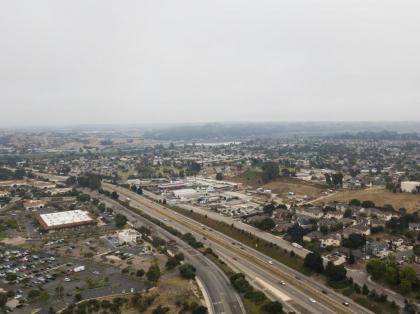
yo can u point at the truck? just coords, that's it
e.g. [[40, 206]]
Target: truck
[[79, 268], [296, 245]]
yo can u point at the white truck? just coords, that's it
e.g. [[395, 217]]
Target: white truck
[[79, 269], [296, 245]]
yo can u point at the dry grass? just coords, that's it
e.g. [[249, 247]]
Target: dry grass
[[282, 186], [171, 288], [380, 196]]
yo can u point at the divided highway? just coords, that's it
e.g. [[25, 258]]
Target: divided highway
[[222, 296], [303, 291]]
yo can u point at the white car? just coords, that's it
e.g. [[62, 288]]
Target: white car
[[312, 300], [67, 279], [270, 262]]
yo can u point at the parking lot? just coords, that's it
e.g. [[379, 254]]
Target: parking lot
[[58, 279]]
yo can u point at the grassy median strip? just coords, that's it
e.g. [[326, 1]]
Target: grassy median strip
[[248, 239], [254, 301]]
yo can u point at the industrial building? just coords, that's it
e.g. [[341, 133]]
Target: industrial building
[[410, 186], [66, 219]]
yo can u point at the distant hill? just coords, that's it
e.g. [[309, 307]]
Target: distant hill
[[238, 131]]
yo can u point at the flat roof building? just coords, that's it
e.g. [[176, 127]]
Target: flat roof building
[[66, 219]]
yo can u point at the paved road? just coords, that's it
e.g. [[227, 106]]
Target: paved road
[[280, 271], [285, 245], [222, 295], [360, 277]]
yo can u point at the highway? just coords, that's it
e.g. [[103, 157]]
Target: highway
[[285, 245], [358, 276], [222, 296], [304, 288]]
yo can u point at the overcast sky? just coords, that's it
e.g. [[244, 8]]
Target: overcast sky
[[136, 61]]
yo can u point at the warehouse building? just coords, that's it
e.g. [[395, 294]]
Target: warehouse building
[[66, 219], [410, 186]]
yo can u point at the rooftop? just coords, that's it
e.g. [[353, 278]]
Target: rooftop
[[65, 219]]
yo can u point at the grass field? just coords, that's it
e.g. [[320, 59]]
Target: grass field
[[380, 196]]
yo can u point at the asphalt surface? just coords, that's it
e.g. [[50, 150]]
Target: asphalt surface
[[223, 297], [359, 277], [333, 299]]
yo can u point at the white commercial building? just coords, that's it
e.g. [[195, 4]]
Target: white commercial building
[[66, 219], [410, 186], [130, 236]]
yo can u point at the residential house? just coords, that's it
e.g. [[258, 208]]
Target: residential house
[[378, 249], [331, 240], [312, 212], [333, 215], [312, 236], [361, 229], [414, 226], [34, 204]]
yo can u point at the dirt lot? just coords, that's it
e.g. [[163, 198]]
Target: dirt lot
[[379, 196], [282, 186]]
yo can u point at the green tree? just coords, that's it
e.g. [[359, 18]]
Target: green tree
[[153, 274], [365, 290], [114, 195], [171, 263], [295, 233], [416, 250], [335, 272], [3, 299], [89, 180], [392, 275], [272, 308], [376, 268], [187, 271], [348, 213], [355, 202], [408, 279], [266, 224], [271, 171], [240, 283], [268, 209], [199, 310], [120, 221], [313, 261], [354, 241], [33, 294], [11, 276], [368, 204]]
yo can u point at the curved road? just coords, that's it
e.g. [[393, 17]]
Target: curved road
[[223, 297]]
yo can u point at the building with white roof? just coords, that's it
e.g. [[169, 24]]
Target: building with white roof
[[66, 219]]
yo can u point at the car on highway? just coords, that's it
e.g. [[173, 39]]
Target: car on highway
[[270, 262], [282, 283], [346, 303], [312, 300], [324, 291]]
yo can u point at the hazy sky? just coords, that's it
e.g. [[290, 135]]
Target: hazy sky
[[134, 61]]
